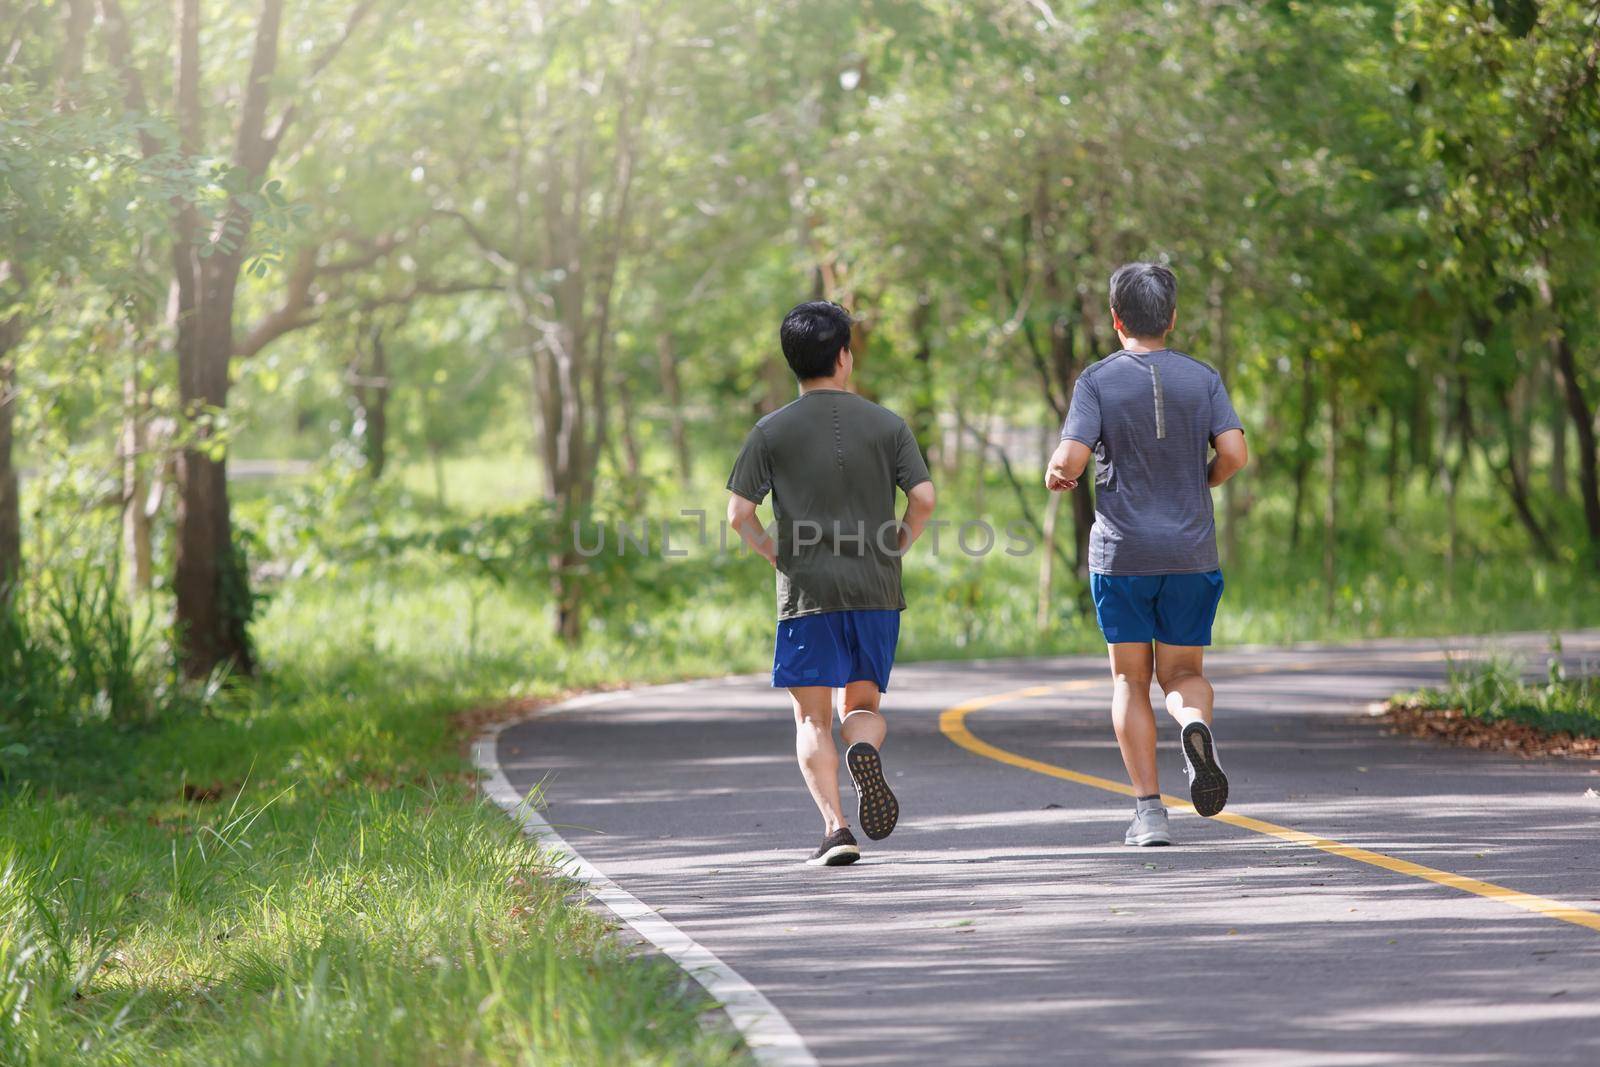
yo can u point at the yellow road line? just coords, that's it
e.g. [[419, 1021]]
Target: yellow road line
[[953, 724]]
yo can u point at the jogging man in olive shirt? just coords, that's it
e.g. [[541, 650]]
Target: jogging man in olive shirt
[[832, 461]]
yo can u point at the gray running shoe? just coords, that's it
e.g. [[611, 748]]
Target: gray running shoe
[[1149, 825]]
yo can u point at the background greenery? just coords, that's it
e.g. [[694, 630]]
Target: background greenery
[[475, 271]]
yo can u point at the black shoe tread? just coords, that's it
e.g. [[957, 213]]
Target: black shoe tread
[[878, 811], [1208, 789]]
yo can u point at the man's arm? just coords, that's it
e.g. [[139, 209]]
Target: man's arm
[[919, 509], [1230, 458], [742, 517], [1066, 465]]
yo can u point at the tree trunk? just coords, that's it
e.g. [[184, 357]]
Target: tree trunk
[[1047, 559], [953, 451], [1558, 444], [1582, 416], [1302, 460], [1420, 452], [372, 393], [1523, 390], [1514, 477], [134, 446], [777, 386], [632, 453], [1452, 550], [1083, 522], [1224, 357], [861, 330], [10, 511], [211, 583], [922, 409], [1392, 471], [1458, 415], [1330, 511], [672, 391], [559, 368]]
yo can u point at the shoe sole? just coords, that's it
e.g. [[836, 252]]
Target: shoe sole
[[1148, 841], [877, 810], [837, 856], [1208, 786]]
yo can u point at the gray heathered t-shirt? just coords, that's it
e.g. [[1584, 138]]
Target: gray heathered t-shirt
[[1150, 418], [832, 460]]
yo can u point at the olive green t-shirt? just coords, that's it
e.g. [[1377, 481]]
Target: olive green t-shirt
[[831, 461]]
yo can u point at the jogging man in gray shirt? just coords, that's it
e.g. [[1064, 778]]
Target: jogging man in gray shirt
[[1163, 434]]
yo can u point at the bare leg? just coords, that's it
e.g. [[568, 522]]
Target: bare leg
[[1133, 716], [1180, 672], [1189, 696], [813, 746], [863, 727], [859, 718]]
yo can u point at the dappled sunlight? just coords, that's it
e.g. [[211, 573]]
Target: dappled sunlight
[[1010, 893]]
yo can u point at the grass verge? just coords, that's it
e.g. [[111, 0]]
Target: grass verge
[[305, 874], [1493, 706]]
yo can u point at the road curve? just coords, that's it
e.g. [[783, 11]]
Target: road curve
[[1004, 922]]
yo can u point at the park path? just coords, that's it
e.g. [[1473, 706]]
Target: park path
[[1004, 922]]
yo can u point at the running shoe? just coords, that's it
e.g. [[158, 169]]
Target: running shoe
[[838, 849], [1149, 825], [877, 810]]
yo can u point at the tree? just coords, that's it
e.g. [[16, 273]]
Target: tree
[[553, 167], [210, 249], [1513, 141]]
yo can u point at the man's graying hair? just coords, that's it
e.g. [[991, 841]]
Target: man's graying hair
[[1144, 296]]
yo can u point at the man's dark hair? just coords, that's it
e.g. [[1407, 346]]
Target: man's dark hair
[[1144, 295], [812, 334]]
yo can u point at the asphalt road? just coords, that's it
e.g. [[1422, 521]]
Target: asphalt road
[[1004, 921]]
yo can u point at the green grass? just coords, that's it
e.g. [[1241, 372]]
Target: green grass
[[1498, 690], [475, 483], [347, 898]]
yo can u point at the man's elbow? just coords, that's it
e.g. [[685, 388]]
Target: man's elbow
[[922, 497], [1241, 458], [1233, 452], [739, 511]]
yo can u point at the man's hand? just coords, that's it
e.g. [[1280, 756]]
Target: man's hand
[[1066, 466], [1056, 480]]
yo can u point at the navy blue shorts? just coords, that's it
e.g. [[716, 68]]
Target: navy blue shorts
[[835, 648], [1175, 609]]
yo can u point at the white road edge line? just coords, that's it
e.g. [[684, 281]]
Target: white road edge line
[[772, 1040]]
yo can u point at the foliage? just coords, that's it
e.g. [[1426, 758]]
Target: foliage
[[1499, 689], [74, 652]]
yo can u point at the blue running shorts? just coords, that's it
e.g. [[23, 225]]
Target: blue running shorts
[[834, 648], [1175, 609]]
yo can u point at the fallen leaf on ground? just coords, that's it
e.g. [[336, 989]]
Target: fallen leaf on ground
[[1450, 725]]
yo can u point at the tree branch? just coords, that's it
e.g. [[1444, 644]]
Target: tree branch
[[506, 261], [253, 151], [121, 56], [290, 315], [297, 313], [320, 63]]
